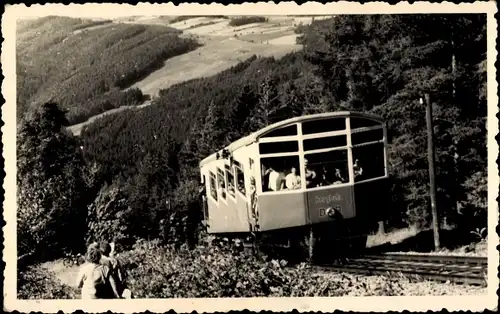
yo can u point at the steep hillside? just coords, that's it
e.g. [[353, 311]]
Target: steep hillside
[[83, 65]]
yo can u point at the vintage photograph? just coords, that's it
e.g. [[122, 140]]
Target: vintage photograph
[[240, 154]]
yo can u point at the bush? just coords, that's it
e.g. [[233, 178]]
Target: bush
[[239, 21], [211, 271], [38, 283]]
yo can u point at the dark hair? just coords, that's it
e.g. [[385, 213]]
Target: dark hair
[[105, 247], [94, 256]]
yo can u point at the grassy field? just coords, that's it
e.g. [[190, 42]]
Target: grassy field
[[223, 46], [213, 57]]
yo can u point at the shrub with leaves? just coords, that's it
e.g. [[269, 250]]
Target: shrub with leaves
[[105, 219], [36, 282], [212, 271]]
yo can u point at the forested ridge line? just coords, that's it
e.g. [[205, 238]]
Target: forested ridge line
[[143, 165]]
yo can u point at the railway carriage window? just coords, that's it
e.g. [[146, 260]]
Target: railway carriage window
[[278, 147], [325, 142], [325, 169], [230, 181], [367, 136], [323, 125], [368, 161], [240, 180], [362, 123], [221, 184], [213, 186], [278, 171], [285, 131]]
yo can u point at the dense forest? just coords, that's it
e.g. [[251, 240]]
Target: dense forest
[[85, 69], [142, 165], [244, 20]]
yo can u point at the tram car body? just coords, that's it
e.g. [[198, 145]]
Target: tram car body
[[339, 177]]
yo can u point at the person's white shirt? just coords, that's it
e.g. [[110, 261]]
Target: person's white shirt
[[293, 181], [273, 180]]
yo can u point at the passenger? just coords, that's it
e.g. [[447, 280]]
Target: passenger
[[281, 181], [338, 178], [265, 177], [230, 188], [276, 180], [202, 191], [293, 180], [213, 191], [241, 186], [323, 177], [310, 174], [358, 171], [222, 187], [95, 279], [116, 270]]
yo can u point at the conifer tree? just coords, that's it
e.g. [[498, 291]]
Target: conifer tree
[[52, 194], [264, 112], [243, 106]]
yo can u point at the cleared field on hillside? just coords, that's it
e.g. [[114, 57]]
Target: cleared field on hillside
[[213, 57], [224, 46]]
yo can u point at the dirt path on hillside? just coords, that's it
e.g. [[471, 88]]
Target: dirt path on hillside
[[76, 129], [66, 275]]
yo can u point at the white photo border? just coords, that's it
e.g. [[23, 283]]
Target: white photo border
[[436, 303]]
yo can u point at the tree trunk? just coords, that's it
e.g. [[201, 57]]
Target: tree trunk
[[455, 143]]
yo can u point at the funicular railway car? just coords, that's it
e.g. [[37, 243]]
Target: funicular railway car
[[311, 180]]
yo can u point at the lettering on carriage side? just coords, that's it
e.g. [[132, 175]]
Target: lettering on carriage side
[[324, 211], [327, 200]]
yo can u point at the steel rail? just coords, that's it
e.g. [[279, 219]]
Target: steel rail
[[459, 269], [471, 279], [423, 265], [449, 259]]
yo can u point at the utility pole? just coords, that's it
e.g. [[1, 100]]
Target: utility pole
[[432, 175]]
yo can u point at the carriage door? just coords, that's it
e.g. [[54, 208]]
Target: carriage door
[[203, 199], [253, 217]]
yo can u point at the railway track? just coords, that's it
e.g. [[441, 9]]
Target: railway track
[[469, 270]]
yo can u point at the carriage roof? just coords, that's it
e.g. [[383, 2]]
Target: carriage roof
[[253, 137]]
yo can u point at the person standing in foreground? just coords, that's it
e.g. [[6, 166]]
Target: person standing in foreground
[[95, 279], [116, 270]]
